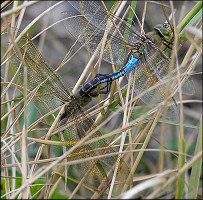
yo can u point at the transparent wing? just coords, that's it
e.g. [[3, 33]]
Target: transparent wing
[[90, 28], [153, 72], [158, 74], [52, 92], [100, 168]]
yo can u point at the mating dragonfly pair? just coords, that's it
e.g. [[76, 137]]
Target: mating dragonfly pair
[[142, 51]]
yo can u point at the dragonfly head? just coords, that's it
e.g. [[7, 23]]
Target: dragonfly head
[[163, 30]]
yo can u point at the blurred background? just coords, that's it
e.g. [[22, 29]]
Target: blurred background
[[56, 43]]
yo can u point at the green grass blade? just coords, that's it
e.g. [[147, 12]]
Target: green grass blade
[[196, 169], [181, 178], [191, 17]]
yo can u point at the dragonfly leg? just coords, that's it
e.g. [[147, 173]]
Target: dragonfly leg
[[165, 44], [105, 78], [107, 87]]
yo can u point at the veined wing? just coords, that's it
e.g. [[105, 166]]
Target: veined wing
[[38, 72], [52, 92], [95, 25], [155, 71], [100, 167]]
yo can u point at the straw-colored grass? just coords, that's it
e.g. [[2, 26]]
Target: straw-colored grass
[[158, 157]]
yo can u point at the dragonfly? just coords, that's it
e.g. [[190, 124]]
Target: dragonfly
[[51, 94], [144, 57]]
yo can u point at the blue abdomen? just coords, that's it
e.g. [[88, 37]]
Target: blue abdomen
[[130, 65]]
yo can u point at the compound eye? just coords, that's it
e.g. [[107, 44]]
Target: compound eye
[[166, 25]]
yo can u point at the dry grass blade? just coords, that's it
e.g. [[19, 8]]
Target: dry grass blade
[[89, 158]]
